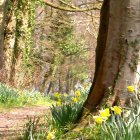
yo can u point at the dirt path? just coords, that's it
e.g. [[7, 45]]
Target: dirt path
[[12, 122]]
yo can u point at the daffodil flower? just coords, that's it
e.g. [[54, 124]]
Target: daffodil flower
[[131, 88], [57, 95], [59, 103], [65, 95], [98, 119], [117, 109], [78, 93], [105, 113], [51, 135], [75, 100]]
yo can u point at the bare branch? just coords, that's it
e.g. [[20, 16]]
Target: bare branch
[[74, 9]]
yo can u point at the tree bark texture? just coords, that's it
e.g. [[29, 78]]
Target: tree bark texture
[[16, 39], [2, 17], [117, 52]]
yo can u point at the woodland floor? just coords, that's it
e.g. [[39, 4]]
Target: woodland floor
[[12, 122]]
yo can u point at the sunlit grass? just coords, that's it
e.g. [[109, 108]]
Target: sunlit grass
[[14, 98]]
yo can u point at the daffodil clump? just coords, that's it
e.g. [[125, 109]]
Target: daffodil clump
[[58, 96], [106, 113], [62, 98], [77, 97]]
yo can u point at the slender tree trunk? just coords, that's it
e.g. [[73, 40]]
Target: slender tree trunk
[[67, 81], [17, 41], [117, 52], [2, 19], [9, 40], [49, 87], [60, 83]]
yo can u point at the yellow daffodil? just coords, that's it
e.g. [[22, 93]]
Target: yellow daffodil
[[57, 95], [78, 93], [65, 95], [98, 119], [59, 100], [105, 113], [59, 103], [75, 100], [117, 109], [51, 135], [131, 88]]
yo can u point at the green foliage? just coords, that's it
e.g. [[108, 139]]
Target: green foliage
[[62, 121], [10, 97], [123, 128], [30, 128], [7, 95], [35, 129], [65, 115], [61, 118], [27, 55], [25, 17], [69, 47], [118, 126], [90, 132]]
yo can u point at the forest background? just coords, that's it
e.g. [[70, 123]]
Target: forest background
[[48, 49]]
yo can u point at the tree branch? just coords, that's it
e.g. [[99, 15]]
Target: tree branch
[[74, 9]]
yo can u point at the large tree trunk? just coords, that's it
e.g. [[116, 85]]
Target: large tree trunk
[[117, 52]]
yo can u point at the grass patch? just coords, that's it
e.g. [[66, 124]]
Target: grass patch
[[13, 98]]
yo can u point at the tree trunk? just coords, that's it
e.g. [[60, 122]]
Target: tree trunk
[[2, 17], [117, 52], [67, 81], [18, 39], [9, 40]]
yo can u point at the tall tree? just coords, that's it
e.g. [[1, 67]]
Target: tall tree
[[117, 53], [19, 24], [2, 16]]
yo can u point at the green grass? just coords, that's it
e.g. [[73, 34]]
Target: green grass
[[11, 98]]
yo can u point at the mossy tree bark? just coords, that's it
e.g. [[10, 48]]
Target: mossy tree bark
[[18, 38], [2, 17], [117, 53]]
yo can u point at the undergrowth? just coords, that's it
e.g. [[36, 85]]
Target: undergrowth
[[10, 97], [113, 123]]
